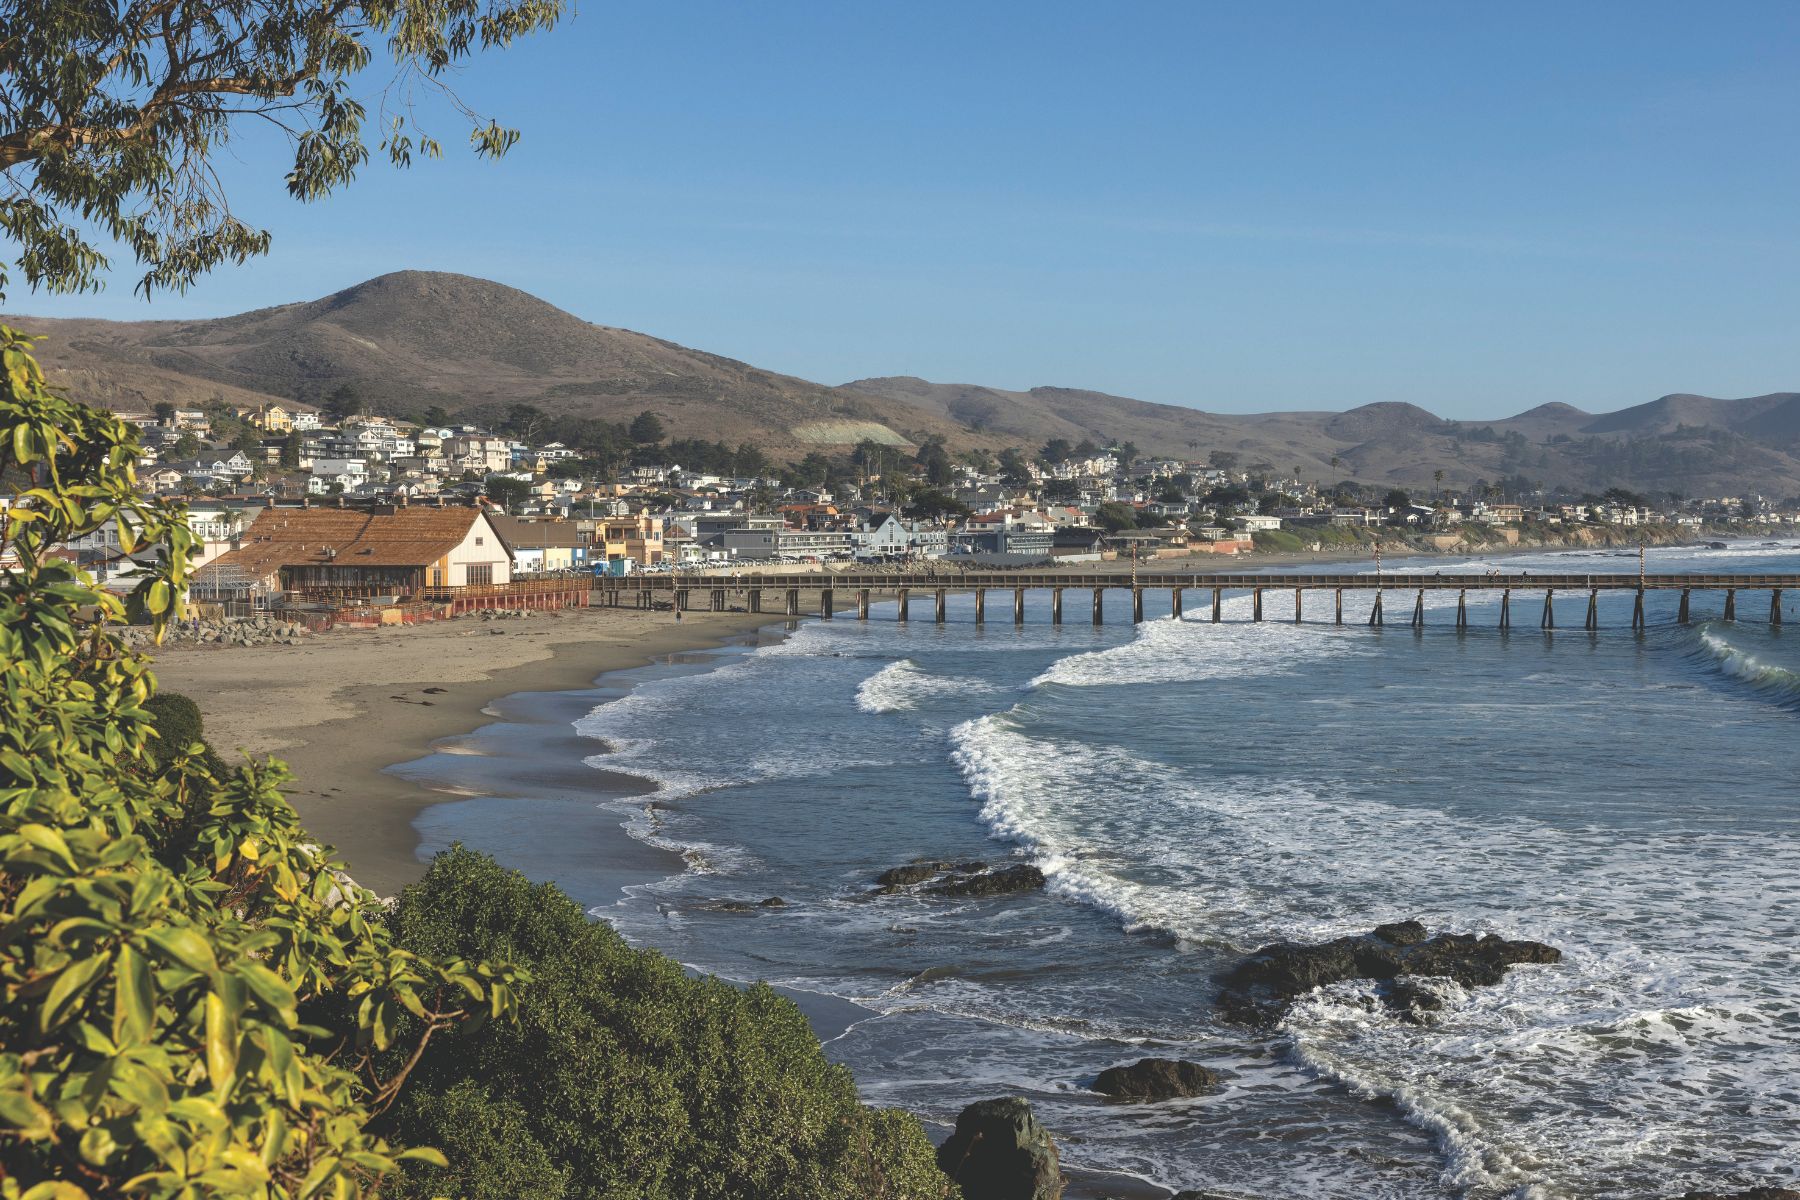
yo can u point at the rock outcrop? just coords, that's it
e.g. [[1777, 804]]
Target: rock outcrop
[[1261, 986], [1152, 1079], [739, 906], [1000, 1152], [940, 877]]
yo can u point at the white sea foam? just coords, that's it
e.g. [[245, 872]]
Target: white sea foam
[[1559, 1072], [902, 686], [1169, 651]]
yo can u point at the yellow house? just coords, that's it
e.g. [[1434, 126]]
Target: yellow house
[[274, 418], [639, 538]]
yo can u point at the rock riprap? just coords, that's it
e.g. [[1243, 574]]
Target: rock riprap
[[232, 631], [1260, 987], [1000, 1152], [1150, 1080]]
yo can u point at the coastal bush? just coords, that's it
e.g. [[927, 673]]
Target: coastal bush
[[1278, 539], [167, 932], [625, 1076], [176, 720]]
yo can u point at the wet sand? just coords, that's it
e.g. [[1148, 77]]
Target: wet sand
[[341, 707]]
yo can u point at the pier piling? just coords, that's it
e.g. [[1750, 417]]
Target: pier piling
[[1056, 606], [1256, 604], [904, 596], [1175, 603], [981, 606], [825, 602], [1099, 604], [1593, 616], [1505, 609], [1775, 607], [1549, 621], [1682, 616], [1637, 610], [793, 602], [1218, 605], [1731, 604], [1298, 614], [1418, 617], [940, 601], [1137, 606], [862, 604], [1462, 608], [1018, 606], [1375, 609]]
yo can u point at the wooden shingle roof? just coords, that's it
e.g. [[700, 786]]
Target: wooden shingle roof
[[347, 537]]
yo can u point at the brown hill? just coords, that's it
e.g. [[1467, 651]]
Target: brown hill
[[407, 341]]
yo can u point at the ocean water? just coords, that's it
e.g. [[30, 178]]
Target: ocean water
[[1194, 791]]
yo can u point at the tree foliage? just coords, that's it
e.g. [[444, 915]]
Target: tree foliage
[[167, 931], [625, 1078], [111, 115]]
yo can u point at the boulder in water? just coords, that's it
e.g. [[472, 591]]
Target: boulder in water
[[1152, 1079], [1000, 1152], [1262, 985], [916, 871], [1005, 881]]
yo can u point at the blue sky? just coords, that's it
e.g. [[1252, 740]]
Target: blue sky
[[1239, 207]]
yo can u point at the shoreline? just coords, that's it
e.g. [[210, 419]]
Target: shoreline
[[343, 708]]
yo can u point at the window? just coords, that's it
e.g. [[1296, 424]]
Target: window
[[478, 539], [480, 573]]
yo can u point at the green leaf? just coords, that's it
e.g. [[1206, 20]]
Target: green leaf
[[221, 1042], [269, 987], [424, 1154], [31, 1119], [48, 839], [186, 947], [134, 996], [67, 989]]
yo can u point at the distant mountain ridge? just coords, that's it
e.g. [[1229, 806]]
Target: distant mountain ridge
[[414, 339]]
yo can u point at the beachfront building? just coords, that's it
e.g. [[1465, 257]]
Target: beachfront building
[[386, 550], [542, 546], [635, 538]]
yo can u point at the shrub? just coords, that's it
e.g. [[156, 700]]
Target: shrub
[[163, 927], [626, 1077], [1277, 539]]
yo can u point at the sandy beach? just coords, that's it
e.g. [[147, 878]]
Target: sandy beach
[[342, 706]]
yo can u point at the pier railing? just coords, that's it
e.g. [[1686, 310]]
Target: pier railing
[[717, 588]]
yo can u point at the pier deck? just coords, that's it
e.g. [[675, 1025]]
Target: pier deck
[[718, 587]]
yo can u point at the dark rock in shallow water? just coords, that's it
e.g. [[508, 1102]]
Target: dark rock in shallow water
[[1411, 1000], [1002, 882], [947, 878], [739, 906], [1000, 1152], [1151, 1079], [1756, 1193], [1258, 988], [917, 871]]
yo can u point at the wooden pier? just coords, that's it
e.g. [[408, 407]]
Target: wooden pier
[[788, 594]]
